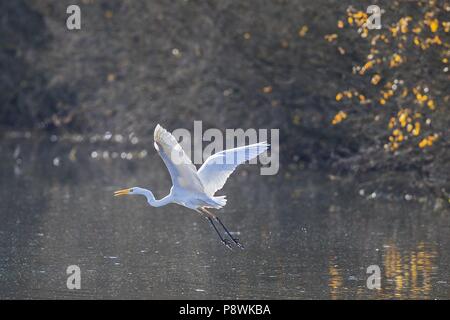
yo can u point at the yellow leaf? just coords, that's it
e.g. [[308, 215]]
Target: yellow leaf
[[434, 25], [416, 130], [423, 143], [341, 115], [409, 127], [375, 79], [331, 37], [302, 31]]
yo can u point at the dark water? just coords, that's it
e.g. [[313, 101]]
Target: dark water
[[306, 236]]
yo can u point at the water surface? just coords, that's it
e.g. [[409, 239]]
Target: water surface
[[307, 236]]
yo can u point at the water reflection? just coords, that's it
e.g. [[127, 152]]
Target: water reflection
[[316, 245], [336, 281], [410, 273], [405, 275]]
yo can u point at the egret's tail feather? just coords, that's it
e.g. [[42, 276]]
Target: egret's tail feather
[[221, 200]]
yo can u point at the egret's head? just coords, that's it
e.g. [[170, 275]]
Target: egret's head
[[123, 192]]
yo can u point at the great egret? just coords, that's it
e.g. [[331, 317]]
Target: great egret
[[195, 189]]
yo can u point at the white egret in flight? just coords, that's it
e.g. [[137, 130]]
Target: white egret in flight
[[195, 189]]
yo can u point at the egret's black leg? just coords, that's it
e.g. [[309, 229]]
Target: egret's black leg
[[235, 240], [226, 242]]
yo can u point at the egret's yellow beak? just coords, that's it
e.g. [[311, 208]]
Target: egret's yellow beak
[[122, 192]]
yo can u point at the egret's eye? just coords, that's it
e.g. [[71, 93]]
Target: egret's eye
[[131, 190]]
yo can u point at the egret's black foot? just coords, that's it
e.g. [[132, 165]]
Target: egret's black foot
[[227, 244], [238, 244]]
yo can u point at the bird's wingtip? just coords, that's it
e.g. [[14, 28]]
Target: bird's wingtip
[[158, 131]]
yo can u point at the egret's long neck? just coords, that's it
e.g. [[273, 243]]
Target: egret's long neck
[[154, 202]]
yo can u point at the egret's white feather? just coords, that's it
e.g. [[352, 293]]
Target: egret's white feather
[[181, 169], [219, 166]]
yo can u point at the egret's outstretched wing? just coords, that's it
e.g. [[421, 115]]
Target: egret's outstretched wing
[[218, 167], [181, 169]]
